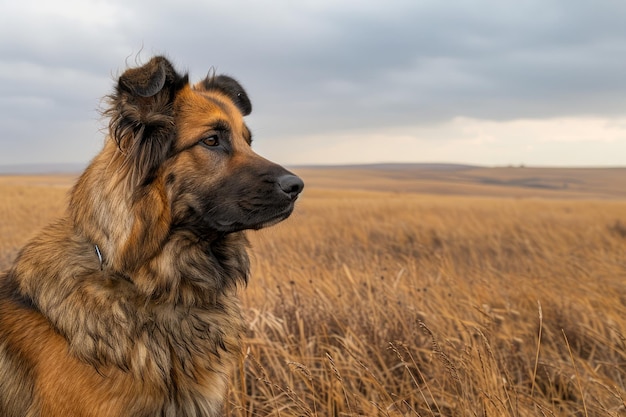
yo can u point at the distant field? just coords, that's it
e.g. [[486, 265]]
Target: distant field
[[468, 180], [423, 292]]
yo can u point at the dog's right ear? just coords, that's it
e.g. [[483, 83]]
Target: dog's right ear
[[141, 115], [231, 88]]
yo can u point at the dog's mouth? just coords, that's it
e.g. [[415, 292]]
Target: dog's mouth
[[277, 219], [254, 220]]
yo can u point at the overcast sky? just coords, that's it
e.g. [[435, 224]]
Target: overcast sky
[[489, 82]]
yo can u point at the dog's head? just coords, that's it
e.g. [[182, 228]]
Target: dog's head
[[178, 157], [194, 141]]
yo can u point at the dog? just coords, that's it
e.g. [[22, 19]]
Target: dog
[[127, 305]]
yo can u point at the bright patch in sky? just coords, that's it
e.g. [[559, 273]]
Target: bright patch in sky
[[584, 141]]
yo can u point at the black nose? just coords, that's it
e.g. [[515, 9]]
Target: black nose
[[290, 185]]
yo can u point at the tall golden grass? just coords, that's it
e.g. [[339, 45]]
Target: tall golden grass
[[369, 303], [28, 203]]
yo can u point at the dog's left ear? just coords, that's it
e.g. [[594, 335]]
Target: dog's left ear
[[142, 118], [149, 79], [231, 88]]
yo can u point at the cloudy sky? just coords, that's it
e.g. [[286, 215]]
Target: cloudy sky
[[490, 82]]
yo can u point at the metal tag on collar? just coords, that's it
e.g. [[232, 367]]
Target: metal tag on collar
[[99, 257]]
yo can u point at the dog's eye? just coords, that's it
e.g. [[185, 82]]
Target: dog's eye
[[211, 141]]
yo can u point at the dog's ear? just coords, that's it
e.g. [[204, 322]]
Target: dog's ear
[[147, 80], [231, 88], [141, 116]]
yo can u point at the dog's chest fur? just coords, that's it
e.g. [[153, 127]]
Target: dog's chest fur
[[187, 353]]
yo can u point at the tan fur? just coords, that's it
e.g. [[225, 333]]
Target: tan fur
[[153, 329]]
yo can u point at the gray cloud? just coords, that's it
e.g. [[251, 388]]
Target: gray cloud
[[315, 67]]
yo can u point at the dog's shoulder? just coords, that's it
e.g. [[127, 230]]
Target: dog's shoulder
[[20, 323], [10, 296]]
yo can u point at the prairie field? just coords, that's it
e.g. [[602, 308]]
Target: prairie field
[[397, 293]]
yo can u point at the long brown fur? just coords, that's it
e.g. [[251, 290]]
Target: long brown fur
[[127, 306]]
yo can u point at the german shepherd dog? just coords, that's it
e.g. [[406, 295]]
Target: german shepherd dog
[[127, 305]]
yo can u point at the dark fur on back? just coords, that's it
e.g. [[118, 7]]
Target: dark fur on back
[[126, 306]]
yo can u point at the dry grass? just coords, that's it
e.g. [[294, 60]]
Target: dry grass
[[28, 203], [368, 303]]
